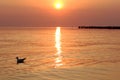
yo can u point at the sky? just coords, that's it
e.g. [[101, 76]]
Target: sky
[[73, 13]]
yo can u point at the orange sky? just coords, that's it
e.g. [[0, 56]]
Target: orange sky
[[73, 13]]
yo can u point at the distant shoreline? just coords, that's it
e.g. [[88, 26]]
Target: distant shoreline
[[99, 27]]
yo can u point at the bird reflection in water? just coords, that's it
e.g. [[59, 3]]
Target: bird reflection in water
[[58, 59]]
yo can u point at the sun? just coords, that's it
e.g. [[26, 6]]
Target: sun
[[58, 5]]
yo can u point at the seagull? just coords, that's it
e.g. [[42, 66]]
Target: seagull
[[20, 60]]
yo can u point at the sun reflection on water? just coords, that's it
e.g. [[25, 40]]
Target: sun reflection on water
[[58, 59]]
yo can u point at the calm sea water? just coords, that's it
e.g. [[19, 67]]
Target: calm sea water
[[55, 53]]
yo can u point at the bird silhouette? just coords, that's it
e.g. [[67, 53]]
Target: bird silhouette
[[20, 60]]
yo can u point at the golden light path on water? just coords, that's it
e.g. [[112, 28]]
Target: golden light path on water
[[58, 59]]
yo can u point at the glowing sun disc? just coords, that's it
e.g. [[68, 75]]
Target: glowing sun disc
[[58, 5]]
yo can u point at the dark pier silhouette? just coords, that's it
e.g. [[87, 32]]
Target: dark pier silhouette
[[99, 27]]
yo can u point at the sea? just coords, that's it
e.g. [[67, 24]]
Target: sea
[[59, 53]]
